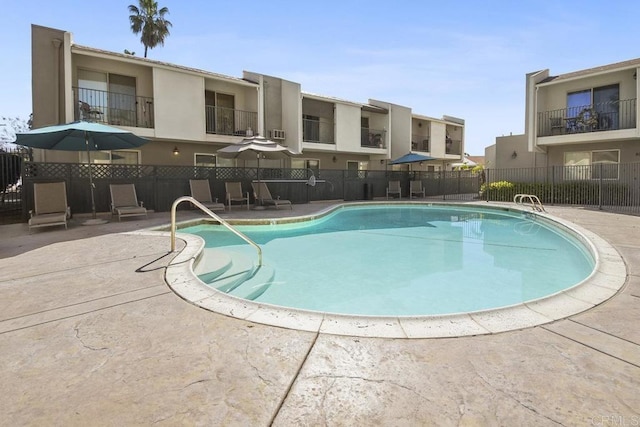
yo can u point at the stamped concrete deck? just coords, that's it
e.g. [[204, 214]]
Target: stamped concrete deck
[[90, 334]]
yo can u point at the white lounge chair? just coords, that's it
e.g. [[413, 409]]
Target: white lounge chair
[[394, 188], [124, 201], [50, 205], [263, 196], [415, 189], [234, 193], [201, 191]]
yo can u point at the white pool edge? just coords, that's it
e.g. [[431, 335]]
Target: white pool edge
[[608, 278]]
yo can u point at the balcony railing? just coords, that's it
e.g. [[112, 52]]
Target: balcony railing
[[229, 121], [420, 143], [317, 131], [598, 117], [113, 108], [453, 146], [372, 138]]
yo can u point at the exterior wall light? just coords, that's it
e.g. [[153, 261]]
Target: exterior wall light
[[176, 152]]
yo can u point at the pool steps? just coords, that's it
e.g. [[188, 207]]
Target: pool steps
[[236, 275]]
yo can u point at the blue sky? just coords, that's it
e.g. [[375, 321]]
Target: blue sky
[[465, 58]]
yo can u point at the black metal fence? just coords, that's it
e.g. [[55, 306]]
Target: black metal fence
[[614, 187], [604, 186]]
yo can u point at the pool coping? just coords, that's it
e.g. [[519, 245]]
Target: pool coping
[[608, 277]]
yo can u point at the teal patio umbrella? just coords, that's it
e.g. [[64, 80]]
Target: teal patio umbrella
[[80, 136]]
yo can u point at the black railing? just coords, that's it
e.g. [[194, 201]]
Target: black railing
[[318, 131], [372, 138], [113, 108], [420, 143], [604, 116], [605, 186], [453, 146], [229, 121]]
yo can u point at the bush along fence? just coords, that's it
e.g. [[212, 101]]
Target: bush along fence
[[613, 187]]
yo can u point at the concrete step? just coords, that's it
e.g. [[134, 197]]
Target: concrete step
[[212, 263], [255, 286], [240, 269]]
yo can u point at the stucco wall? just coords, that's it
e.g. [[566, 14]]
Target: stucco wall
[[178, 105], [347, 129]]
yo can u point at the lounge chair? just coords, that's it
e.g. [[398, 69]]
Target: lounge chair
[[124, 201], [234, 193], [50, 205], [415, 189], [394, 188], [263, 196], [201, 191]]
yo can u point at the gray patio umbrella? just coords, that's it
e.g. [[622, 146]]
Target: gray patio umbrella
[[80, 136], [256, 145]]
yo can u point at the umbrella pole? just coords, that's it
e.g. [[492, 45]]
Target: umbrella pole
[[258, 204], [93, 200]]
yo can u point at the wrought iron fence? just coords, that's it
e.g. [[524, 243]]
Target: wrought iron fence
[[229, 121], [113, 108], [598, 117], [604, 186], [11, 168]]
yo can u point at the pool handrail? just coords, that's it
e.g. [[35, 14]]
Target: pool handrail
[[212, 215]]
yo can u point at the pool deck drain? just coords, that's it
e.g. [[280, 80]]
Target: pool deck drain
[[91, 335]]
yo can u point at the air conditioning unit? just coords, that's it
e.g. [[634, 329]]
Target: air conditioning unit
[[277, 134]]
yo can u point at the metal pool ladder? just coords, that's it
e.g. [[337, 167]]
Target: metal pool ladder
[[530, 200], [212, 215]]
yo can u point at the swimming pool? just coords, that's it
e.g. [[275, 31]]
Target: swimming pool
[[405, 260], [608, 277]]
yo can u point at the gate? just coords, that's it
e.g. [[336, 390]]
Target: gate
[[11, 163]]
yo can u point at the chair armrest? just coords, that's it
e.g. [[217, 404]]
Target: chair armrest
[[30, 213], [68, 212], [141, 204]]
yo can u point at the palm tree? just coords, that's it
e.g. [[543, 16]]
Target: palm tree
[[150, 22]]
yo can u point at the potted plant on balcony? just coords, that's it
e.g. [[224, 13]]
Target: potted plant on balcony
[[588, 118]]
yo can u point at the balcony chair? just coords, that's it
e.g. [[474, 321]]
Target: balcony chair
[[234, 193], [557, 127], [201, 191]]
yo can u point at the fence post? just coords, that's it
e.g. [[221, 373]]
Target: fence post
[[600, 187], [553, 184]]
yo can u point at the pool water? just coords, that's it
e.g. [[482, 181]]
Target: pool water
[[411, 260]]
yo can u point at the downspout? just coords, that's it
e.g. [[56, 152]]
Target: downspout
[[56, 44]]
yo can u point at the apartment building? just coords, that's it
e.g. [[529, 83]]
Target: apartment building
[[188, 114], [581, 118]]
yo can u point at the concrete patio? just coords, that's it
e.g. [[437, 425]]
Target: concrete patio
[[90, 334]]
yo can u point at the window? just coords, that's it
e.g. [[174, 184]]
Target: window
[[600, 164], [311, 128], [357, 169], [205, 160], [600, 101], [115, 157], [107, 97]]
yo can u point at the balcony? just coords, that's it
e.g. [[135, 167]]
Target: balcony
[[317, 131], [453, 146], [229, 121], [372, 138], [420, 143], [113, 108], [599, 117]]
